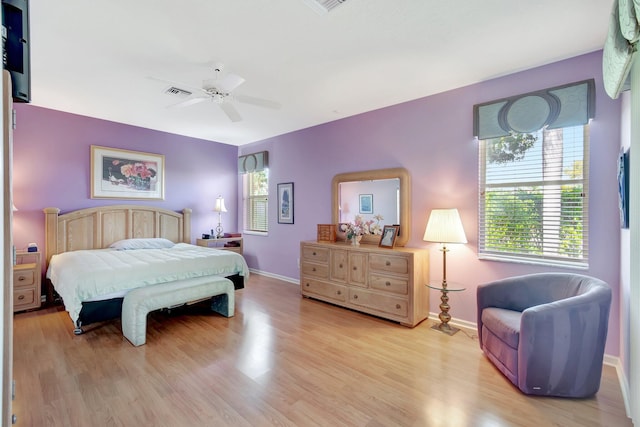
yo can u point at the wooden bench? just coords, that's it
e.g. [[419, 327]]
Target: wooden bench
[[139, 302]]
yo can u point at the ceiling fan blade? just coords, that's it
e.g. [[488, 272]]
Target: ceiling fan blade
[[259, 102], [229, 82], [188, 102], [231, 112]]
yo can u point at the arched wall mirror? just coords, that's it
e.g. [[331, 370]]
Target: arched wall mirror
[[381, 192]]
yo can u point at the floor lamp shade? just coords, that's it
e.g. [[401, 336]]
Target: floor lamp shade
[[444, 226]]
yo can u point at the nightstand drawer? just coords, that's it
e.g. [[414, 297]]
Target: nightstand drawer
[[27, 281], [23, 276], [24, 298]]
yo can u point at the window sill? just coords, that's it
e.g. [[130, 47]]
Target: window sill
[[255, 233], [543, 262]]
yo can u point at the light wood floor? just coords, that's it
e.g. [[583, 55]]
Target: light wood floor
[[281, 361]]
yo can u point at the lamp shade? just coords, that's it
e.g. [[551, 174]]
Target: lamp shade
[[444, 226], [220, 205]]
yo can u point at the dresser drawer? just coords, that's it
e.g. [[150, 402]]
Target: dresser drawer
[[380, 302], [324, 289], [23, 277], [389, 264], [396, 285], [320, 271], [23, 297], [315, 254]]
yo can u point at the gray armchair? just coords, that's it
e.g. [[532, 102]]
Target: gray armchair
[[546, 332]]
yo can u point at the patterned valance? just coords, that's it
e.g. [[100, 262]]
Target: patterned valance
[[558, 107], [253, 162]]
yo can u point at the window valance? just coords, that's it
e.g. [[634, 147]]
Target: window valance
[[620, 46], [253, 162], [558, 107]]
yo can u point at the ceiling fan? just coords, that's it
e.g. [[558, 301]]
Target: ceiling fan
[[219, 91]]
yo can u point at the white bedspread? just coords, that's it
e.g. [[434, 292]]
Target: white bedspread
[[87, 275]]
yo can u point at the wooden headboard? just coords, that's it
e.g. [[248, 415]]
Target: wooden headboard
[[97, 228]]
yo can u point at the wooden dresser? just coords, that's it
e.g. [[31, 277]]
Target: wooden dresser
[[388, 283]]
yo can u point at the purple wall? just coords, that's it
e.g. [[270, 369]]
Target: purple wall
[[52, 167], [432, 137]]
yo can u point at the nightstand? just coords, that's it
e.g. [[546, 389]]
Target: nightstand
[[26, 280], [227, 243]]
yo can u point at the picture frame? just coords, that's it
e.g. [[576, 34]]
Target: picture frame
[[388, 238], [126, 174], [623, 188], [366, 204], [285, 203]]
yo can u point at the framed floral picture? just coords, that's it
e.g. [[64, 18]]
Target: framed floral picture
[[389, 234], [125, 174]]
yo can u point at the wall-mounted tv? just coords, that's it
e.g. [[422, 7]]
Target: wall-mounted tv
[[15, 41]]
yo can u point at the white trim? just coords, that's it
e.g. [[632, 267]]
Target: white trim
[[275, 276], [622, 379]]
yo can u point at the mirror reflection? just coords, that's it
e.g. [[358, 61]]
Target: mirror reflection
[[374, 200]]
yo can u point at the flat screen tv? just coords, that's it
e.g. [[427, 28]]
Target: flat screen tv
[[15, 55]]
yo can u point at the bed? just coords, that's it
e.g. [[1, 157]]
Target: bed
[[95, 256]]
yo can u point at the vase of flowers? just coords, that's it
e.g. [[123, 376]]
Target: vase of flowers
[[359, 227]]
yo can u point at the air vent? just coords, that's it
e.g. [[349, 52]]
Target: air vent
[[323, 6], [176, 91]]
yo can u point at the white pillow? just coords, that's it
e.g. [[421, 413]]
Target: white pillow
[[151, 243]]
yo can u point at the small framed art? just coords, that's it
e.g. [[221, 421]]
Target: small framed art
[[389, 234], [285, 203], [366, 203]]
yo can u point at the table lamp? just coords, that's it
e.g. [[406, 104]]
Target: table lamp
[[219, 208], [444, 226]]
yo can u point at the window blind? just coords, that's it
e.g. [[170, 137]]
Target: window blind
[[533, 197], [256, 201]]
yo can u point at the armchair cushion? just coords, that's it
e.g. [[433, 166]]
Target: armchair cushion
[[546, 332]]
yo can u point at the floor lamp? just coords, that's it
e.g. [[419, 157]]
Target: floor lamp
[[219, 208], [444, 226]]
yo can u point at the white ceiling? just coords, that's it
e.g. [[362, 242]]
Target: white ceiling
[[95, 58]]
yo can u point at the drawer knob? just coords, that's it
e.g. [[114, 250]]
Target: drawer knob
[[313, 269], [339, 293], [21, 278], [387, 283], [355, 297], [398, 306], [314, 254], [355, 268], [340, 265], [21, 297], [388, 263], [307, 284]]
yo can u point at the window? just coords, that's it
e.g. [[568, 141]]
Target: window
[[256, 201], [533, 192]]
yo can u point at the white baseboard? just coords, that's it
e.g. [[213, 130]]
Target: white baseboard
[[622, 379], [275, 276]]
